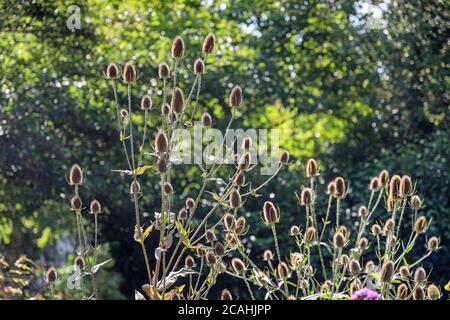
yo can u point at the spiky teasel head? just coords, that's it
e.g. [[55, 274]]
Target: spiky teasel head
[[363, 244], [182, 214], [208, 44], [406, 187], [51, 276], [226, 295], [124, 113], [210, 235], [307, 197], [163, 70], [76, 203], [135, 187], [165, 109], [344, 260], [235, 98], [341, 188], [240, 226], [129, 73], [199, 66], [374, 184], [178, 101], [331, 188], [268, 255], [231, 239], [168, 189], [238, 266], [402, 292], [384, 178], [390, 203], [420, 226], [161, 166], [362, 212], [339, 240], [200, 252], [219, 249], [112, 71], [239, 180], [235, 199], [177, 48], [420, 275], [388, 226], [376, 230], [244, 162], [354, 267], [284, 157], [312, 168], [95, 207], [343, 229], [210, 257], [190, 203], [433, 244], [161, 142], [283, 270], [433, 292], [387, 271], [369, 267], [271, 214], [394, 187], [228, 221], [416, 203], [294, 231], [310, 235], [75, 175], [247, 143], [146, 102], [79, 262], [404, 272], [206, 119], [418, 294]]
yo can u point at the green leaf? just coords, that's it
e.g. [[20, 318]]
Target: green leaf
[[121, 136], [184, 238], [147, 232], [140, 170]]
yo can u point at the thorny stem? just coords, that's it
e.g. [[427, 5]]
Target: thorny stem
[[249, 289], [330, 199], [338, 211], [277, 248]]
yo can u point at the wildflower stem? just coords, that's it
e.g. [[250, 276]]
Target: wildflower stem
[[249, 289]]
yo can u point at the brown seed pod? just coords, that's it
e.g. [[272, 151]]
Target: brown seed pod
[[418, 294], [388, 227], [75, 175], [161, 166], [112, 71], [339, 240], [344, 260], [433, 292], [165, 109], [331, 188], [390, 203], [210, 235], [231, 239], [384, 178], [294, 231], [235, 199], [177, 103], [200, 252], [228, 221], [124, 113], [168, 189], [208, 45], [307, 197], [363, 243], [244, 162], [206, 119], [406, 187], [177, 48], [247, 143], [354, 267], [267, 255], [76, 203], [190, 203], [362, 211], [129, 73], [420, 275], [239, 180], [146, 102], [433, 244], [402, 292], [343, 229], [240, 225], [404, 272], [235, 99], [135, 187], [416, 203], [79, 262], [199, 66], [376, 230], [341, 188], [375, 184], [210, 257], [310, 235], [226, 295], [284, 157], [421, 225], [95, 207], [394, 187], [163, 71], [283, 270], [51, 275], [219, 249], [370, 267], [182, 214], [238, 265], [387, 271], [161, 142], [312, 169], [270, 213]]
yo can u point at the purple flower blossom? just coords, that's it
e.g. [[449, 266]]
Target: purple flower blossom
[[365, 294]]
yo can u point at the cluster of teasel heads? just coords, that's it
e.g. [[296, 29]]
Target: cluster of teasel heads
[[195, 248]]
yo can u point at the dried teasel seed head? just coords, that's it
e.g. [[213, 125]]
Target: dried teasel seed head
[[369, 267], [208, 43], [312, 169], [307, 197], [235, 199], [129, 73], [231, 239], [433, 244], [135, 187], [219, 249], [354, 267], [124, 113], [76, 203], [416, 203], [284, 157], [390, 203], [343, 229], [363, 243], [291, 297], [235, 98], [177, 102], [165, 109], [238, 265], [418, 294], [168, 189], [331, 188], [310, 235], [384, 178], [433, 292], [421, 225], [339, 240], [374, 184], [95, 207], [239, 180], [79, 262], [362, 211], [341, 188], [177, 48], [420, 275], [112, 71], [394, 187], [270, 213], [247, 143], [182, 214], [402, 292], [376, 230], [344, 260], [199, 66], [294, 231], [190, 203], [210, 257], [210, 235], [244, 162], [163, 70], [75, 175], [201, 252], [406, 187], [268, 255], [226, 295], [388, 226], [404, 272], [206, 119], [146, 102], [51, 275], [240, 225], [161, 142], [283, 270], [189, 262], [228, 221], [161, 166], [387, 271]]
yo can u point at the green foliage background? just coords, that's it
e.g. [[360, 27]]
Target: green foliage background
[[358, 99]]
